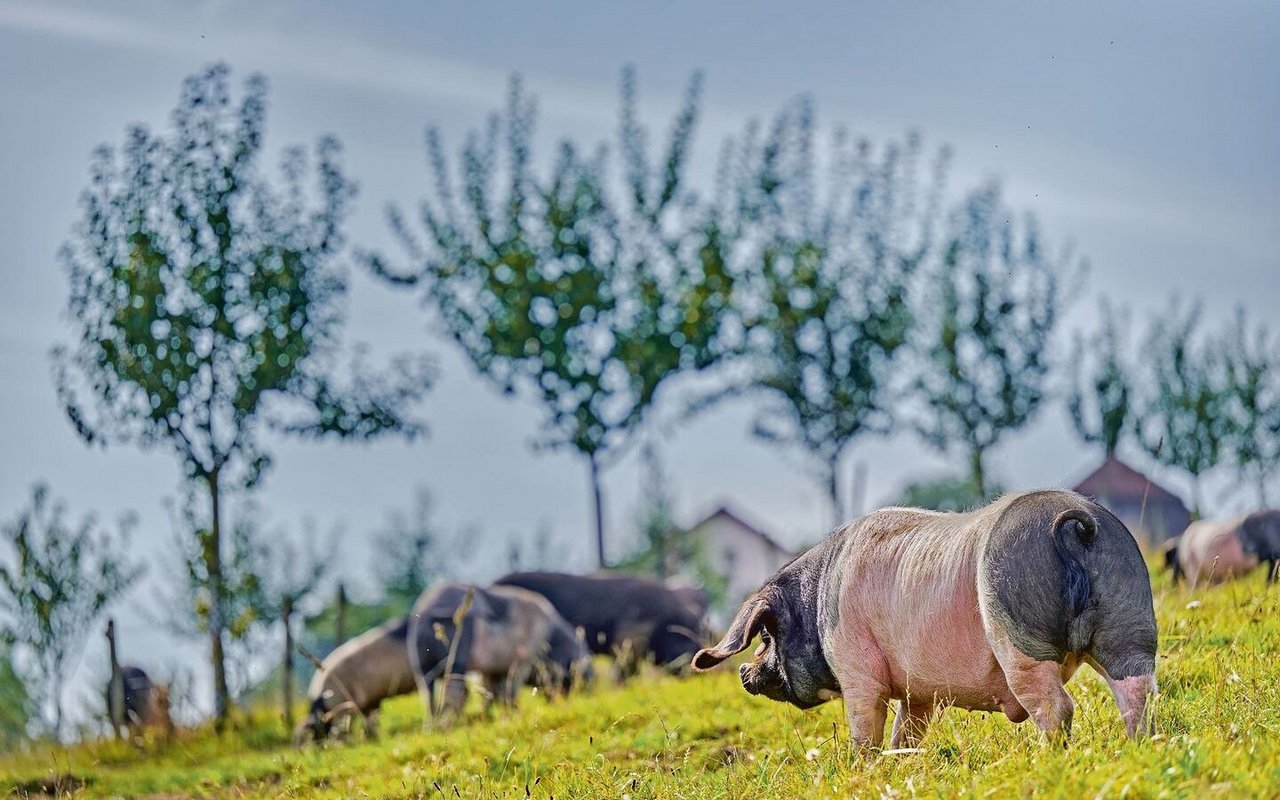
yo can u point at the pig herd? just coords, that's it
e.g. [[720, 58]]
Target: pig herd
[[536, 629], [992, 609]]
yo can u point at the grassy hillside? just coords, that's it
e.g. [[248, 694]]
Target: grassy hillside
[[1218, 723]]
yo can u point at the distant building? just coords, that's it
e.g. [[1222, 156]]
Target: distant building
[[740, 552], [1150, 511]]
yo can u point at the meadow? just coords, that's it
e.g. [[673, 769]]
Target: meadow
[[1218, 734]]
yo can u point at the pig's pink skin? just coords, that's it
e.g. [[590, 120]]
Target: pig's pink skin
[[1131, 695], [911, 629], [1211, 551]]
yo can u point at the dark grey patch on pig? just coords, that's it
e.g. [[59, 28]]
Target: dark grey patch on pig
[[1260, 537], [1171, 560], [435, 629], [694, 597], [137, 693], [785, 613], [614, 608], [1068, 578]]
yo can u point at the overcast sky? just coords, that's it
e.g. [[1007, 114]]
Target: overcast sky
[[1144, 132]]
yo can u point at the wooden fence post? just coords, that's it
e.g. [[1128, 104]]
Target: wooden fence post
[[340, 617], [115, 689], [286, 675]]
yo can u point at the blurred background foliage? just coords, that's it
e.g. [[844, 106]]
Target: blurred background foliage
[[845, 287]]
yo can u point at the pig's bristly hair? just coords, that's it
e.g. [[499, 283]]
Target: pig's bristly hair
[[935, 550]]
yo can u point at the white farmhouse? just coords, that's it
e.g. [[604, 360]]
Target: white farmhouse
[[740, 552]]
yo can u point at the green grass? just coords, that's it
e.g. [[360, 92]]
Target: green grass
[[1218, 722]]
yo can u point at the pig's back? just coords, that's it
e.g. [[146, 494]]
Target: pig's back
[[370, 668], [909, 579]]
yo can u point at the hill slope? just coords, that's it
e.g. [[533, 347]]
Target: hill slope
[[1218, 722]]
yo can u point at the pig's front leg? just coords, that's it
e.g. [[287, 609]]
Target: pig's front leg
[[862, 674], [867, 714]]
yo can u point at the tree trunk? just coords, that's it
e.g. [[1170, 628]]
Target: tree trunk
[[213, 563], [599, 507], [57, 701], [977, 473], [858, 490], [286, 675], [340, 616], [1195, 497], [115, 689], [1262, 488]]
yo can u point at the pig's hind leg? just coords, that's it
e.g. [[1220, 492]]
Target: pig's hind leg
[[1123, 652], [1134, 697]]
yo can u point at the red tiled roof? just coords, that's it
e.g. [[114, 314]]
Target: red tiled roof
[[1117, 479]]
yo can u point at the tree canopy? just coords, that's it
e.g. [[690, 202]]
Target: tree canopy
[[207, 301], [584, 288], [829, 255], [55, 580], [998, 294]]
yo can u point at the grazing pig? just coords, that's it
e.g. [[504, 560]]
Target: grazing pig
[[355, 678], [621, 615], [1214, 551], [510, 636], [146, 704], [990, 610]]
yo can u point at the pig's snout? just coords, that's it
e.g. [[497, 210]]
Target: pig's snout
[[748, 683]]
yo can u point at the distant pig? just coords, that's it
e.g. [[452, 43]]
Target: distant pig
[[146, 704], [625, 616], [1214, 551], [989, 610], [355, 678], [509, 636]]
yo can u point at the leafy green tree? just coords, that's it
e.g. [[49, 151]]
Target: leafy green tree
[[583, 289], [207, 304], [957, 493], [186, 602], [995, 297], [1186, 422], [828, 285], [55, 581], [411, 552], [16, 708], [666, 548], [1102, 405], [1251, 358], [290, 577]]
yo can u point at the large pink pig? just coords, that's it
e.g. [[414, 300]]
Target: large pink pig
[[989, 610]]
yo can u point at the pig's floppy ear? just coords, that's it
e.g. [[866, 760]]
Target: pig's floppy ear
[[740, 633]]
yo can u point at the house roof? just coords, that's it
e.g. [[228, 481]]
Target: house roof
[[747, 527], [1116, 479]]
